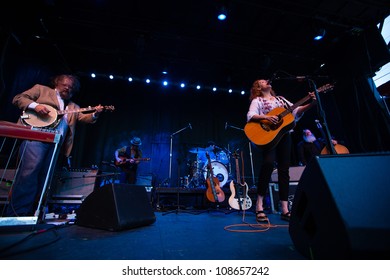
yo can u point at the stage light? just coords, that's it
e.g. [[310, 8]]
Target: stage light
[[242, 92], [165, 83], [214, 89], [222, 13], [93, 75], [230, 90], [182, 85], [198, 87], [130, 79], [111, 77], [320, 34], [147, 81]]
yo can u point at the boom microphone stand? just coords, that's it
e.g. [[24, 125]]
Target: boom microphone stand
[[322, 118], [170, 151], [177, 210]]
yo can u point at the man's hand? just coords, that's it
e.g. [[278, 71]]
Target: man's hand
[[42, 109], [98, 110]]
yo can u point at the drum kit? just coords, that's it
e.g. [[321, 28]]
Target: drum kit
[[220, 161]]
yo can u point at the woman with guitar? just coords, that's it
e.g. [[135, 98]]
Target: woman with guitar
[[128, 158], [42, 102], [270, 113]]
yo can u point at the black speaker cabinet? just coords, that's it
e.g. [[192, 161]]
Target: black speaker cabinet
[[341, 208], [116, 207]]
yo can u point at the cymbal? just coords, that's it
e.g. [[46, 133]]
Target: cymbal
[[196, 150]]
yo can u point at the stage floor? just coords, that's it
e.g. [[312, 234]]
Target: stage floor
[[176, 235]]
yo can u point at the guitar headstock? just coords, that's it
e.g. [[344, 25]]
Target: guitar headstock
[[326, 88], [109, 108], [236, 155]]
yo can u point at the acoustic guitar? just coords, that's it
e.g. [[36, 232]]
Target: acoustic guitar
[[239, 199], [51, 120], [333, 149], [214, 193], [267, 134]]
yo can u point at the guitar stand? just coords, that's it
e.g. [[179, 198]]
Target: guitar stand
[[231, 210], [216, 209], [178, 209]]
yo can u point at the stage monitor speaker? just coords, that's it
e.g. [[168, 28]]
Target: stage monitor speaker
[[341, 207], [116, 207]]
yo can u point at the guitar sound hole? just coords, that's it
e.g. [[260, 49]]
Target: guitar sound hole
[[265, 127], [276, 125]]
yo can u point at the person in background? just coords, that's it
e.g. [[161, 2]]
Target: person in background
[[263, 100], [310, 147], [128, 159], [211, 150], [35, 162]]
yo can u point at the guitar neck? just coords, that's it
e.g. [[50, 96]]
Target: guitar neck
[[324, 88], [293, 107], [238, 172], [211, 177]]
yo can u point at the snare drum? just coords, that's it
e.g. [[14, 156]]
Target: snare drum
[[219, 171]]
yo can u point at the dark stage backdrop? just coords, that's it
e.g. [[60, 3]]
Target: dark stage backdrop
[[157, 114]]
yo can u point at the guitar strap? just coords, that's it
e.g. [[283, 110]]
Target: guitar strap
[[284, 101]]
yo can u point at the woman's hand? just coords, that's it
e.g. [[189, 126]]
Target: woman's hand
[[272, 119], [313, 97]]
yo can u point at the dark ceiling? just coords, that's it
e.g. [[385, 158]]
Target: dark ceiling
[[144, 37]]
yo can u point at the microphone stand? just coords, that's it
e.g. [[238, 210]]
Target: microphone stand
[[177, 210], [322, 118], [250, 152], [170, 153]]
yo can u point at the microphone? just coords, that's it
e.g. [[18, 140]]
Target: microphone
[[226, 125], [189, 125], [305, 77], [273, 78]]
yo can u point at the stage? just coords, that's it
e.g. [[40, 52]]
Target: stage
[[212, 235]]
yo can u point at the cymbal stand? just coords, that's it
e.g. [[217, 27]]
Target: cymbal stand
[[250, 152]]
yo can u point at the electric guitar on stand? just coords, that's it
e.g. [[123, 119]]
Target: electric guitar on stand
[[214, 193], [267, 134], [239, 198]]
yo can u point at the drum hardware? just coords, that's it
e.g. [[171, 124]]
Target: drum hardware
[[196, 150]]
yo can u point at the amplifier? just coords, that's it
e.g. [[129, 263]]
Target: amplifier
[[6, 180], [295, 174], [73, 186]]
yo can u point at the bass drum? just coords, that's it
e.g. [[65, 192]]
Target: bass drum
[[219, 171], [222, 157]]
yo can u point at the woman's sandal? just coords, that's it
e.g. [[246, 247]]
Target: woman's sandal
[[261, 216], [286, 216]]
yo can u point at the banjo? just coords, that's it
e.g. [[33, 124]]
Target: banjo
[[51, 120]]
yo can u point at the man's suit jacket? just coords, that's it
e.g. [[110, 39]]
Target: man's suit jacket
[[46, 95]]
